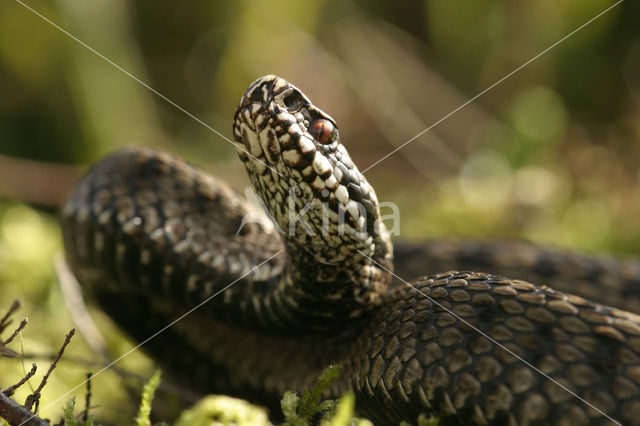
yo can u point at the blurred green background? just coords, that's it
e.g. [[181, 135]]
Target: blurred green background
[[549, 155]]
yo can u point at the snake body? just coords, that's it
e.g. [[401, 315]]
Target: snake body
[[151, 236]]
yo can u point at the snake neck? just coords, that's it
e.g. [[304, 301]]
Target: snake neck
[[343, 289], [339, 254]]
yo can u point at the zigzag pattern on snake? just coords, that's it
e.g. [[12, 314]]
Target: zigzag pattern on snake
[[149, 236]]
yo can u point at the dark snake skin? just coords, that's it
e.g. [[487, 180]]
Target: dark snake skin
[[150, 236]]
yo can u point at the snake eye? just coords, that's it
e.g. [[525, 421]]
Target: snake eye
[[323, 131]]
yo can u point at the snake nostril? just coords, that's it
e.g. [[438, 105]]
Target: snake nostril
[[323, 131], [293, 101]]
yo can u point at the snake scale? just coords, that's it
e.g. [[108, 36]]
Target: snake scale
[[150, 236]]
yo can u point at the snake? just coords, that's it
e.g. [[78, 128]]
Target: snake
[[262, 298]]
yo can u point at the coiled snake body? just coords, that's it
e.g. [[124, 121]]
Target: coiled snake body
[[150, 236]]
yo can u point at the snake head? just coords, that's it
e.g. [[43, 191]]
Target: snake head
[[294, 156]]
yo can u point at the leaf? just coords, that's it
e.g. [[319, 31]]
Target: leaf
[[310, 402], [147, 397], [302, 411], [223, 410], [430, 421], [69, 418], [289, 405]]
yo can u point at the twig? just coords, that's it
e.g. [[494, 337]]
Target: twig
[[16, 414], [185, 394], [75, 302], [35, 396], [22, 324], [36, 182], [87, 399], [4, 351], [10, 410], [3, 322], [9, 391]]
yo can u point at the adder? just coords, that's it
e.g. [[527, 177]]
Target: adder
[[311, 284]]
